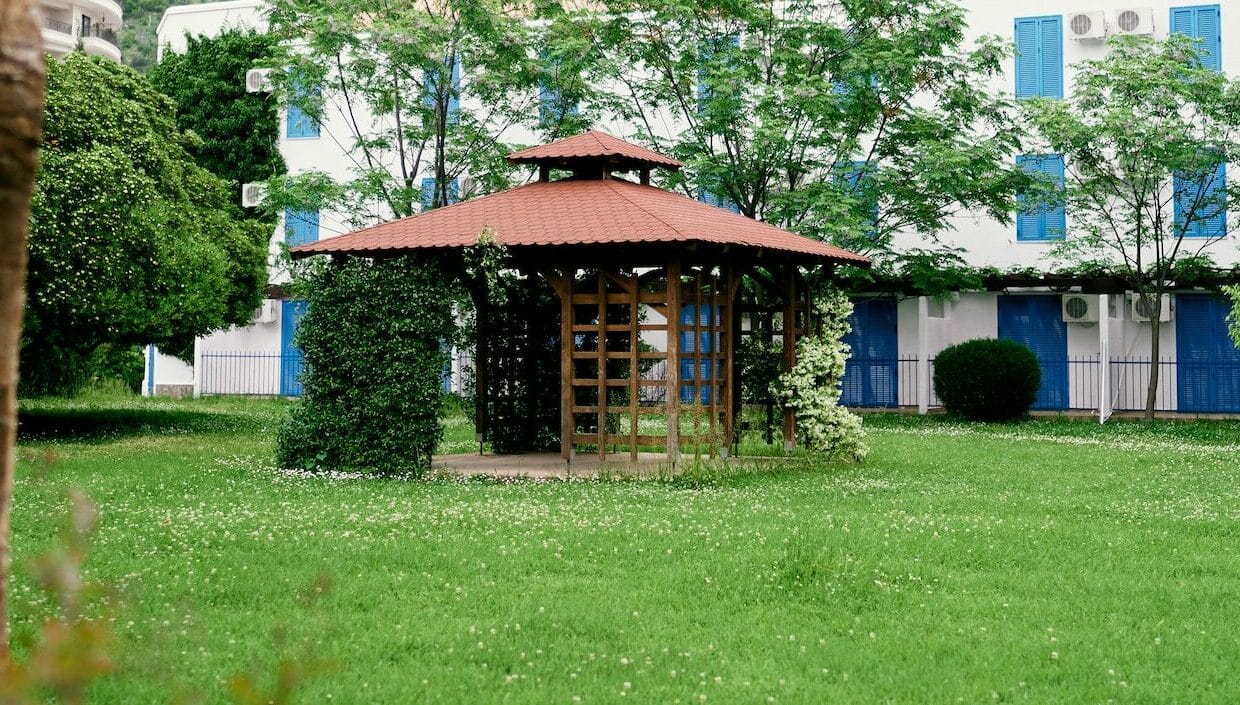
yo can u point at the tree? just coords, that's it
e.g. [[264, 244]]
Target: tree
[[850, 122], [131, 242], [239, 130], [1145, 137], [1233, 318], [21, 98], [386, 82]]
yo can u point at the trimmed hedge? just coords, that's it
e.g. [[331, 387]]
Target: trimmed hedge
[[372, 340], [987, 379]]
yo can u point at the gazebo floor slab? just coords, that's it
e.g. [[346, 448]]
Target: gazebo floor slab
[[550, 466]]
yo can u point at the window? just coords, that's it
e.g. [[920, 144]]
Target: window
[[452, 66], [709, 198], [1201, 199], [707, 54], [1203, 23], [552, 105], [1039, 57], [1041, 221], [859, 177], [299, 123], [428, 193], [300, 227]]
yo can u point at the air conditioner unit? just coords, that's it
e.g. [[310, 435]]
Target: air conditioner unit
[[467, 184], [1087, 25], [1134, 21], [1141, 311], [266, 312], [1080, 308], [252, 195], [258, 81]]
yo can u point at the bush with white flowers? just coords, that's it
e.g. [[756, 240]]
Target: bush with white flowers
[[812, 387]]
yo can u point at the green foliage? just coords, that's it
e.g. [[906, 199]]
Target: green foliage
[[760, 364], [238, 130], [131, 242], [812, 387], [137, 35], [374, 339], [381, 74], [848, 122], [987, 379], [1233, 317]]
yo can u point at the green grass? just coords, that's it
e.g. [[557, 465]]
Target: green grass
[[1042, 562]]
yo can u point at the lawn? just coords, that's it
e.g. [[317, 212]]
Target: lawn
[[1043, 562]]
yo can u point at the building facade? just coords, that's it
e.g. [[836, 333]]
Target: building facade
[[1093, 347], [88, 25]]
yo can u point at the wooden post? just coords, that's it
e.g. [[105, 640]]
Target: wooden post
[[482, 355], [714, 362], [563, 284], [634, 370], [790, 350], [602, 365], [672, 404], [732, 395]]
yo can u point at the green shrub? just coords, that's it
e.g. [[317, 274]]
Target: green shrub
[[987, 379], [374, 339]]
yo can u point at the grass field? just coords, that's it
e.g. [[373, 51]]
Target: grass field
[[1047, 562]]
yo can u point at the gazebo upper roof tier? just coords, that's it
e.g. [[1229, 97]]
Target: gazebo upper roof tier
[[594, 147], [581, 212]]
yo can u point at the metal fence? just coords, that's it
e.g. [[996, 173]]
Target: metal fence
[[1210, 387]]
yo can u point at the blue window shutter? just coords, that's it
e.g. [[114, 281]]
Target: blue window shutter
[[1052, 57], [852, 173], [1046, 221], [1039, 57], [454, 99], [1205, 24], [299, 123], [430, 89], [300, 227], [428, 193], [454, 191], [1209, 210], [711, 199]]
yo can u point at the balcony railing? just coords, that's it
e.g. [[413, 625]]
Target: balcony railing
[[107, 34], [57, 26]]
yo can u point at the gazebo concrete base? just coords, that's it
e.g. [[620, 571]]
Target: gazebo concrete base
[[550, 466]]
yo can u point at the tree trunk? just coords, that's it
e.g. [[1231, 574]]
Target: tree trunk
[[21, 119], [1153, 304]]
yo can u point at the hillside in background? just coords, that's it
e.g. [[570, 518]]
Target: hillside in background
[[138, 30]]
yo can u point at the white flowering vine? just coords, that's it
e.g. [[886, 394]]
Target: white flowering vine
[[812, 387]]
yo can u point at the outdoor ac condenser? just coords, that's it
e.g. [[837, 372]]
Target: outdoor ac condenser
[[258, 81], [1139, 20], [1080, 308], [1142, 313], [1087, 25], [252, 195]]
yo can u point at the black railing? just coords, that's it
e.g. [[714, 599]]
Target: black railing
[[57, 25], [107, 34]]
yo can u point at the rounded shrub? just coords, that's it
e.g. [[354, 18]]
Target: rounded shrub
[[987, 379]]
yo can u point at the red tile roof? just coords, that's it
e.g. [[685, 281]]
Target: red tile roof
[[577, 212], [593, 144]]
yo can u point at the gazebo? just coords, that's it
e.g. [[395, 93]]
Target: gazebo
[[648, 287]]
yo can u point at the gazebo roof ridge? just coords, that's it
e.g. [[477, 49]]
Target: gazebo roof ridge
[[594, 147]]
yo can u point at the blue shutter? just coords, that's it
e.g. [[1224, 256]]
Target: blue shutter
[[709, 198], [693, 369], [428, 192], [1042, 221], [430, 89], [1208, 208], [1207, 362], [454, 100], [291, 363], [1204, 23], [709, 48], [1039, 57], [300, 227], [299, 123], [871, 374], [1036, 321], [853, 173]]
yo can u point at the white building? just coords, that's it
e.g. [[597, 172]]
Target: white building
[[90, 24], [1092, 345]]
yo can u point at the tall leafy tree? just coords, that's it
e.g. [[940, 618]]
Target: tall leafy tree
[[851, 121], [239, 130], [411, 91], [131, 242], [21, 93], [1146, 137]]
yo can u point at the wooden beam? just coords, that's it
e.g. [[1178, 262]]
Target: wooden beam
[[731, 390], [673, 361], [563, 285], [634, 372], [790, 349], [602, 365]]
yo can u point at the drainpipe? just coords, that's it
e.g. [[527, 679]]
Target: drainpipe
[[1104, 358], [923, 355]]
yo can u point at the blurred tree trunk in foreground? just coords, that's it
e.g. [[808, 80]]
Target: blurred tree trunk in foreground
[[21, 115]]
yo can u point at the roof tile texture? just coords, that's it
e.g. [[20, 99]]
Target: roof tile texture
[[593, 144]]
